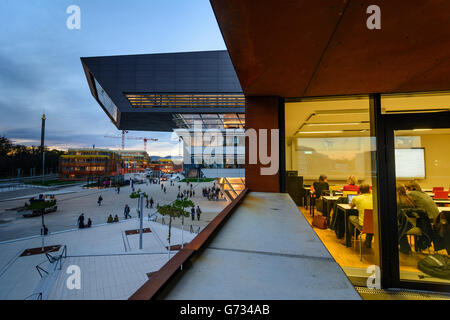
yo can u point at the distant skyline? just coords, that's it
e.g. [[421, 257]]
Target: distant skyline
[[41, 72]]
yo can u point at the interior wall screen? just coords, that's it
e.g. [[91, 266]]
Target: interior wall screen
[[410, 163], [337, 156]]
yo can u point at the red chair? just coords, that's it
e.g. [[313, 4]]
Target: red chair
[[441, 195], [438, 189], [367, 228]]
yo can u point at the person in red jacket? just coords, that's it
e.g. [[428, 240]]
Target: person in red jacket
[[351, 184]]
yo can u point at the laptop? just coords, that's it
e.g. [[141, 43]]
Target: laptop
[[350, 197]]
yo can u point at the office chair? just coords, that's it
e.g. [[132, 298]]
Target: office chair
[[366, 228]]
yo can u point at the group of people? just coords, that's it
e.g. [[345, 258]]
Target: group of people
[[360, 202], [81, 223], [111, 219], [212, 193], [409, 196], [195, 211], [185, 194]]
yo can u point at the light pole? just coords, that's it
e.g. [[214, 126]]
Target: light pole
[[141, 218], [42, 146], [43, 173]]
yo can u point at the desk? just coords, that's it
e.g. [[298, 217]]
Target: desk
[[347, 211], [327, 204], [441, 209], [441, 201]]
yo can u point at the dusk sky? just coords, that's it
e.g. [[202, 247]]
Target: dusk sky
[[40, 68]]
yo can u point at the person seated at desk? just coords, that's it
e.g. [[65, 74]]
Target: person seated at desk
[[404, 201], [362, 202], [351, 184], [319, 186], [422, 200]]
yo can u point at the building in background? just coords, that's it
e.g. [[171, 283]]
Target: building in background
[[84, 164], [169, 91], [91, 164], [133, 160]]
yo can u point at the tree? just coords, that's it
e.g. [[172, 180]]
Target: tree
[[40, 206], [173, 211], [137, 194], [5, 146], [182, 205], [13, 157]]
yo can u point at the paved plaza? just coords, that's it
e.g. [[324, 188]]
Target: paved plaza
[[112, 264], [74, 200]]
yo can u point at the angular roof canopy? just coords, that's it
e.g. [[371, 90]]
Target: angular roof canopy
[[318, 48], [147, 91]]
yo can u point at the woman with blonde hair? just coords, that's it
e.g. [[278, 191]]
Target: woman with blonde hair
[[351, 184], [403, 199]]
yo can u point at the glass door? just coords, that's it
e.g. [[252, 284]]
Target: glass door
[[422, 173], [417, 197]]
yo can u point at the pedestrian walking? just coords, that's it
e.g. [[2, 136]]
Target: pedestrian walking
[[126, 212], [164, 189], [193, 213], [99, 201], [151, 202], [146, 203], [118, 189], [198, 213], [81, 221], [89, 223]]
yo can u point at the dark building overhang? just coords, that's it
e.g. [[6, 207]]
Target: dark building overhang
[[321, 48], [145, 92]]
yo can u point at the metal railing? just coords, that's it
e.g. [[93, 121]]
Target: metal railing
[[39, 269], [39, 296], [52, 259]]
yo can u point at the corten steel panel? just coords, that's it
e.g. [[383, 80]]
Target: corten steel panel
[[316, 48], [275, 45], [260, 113], [411, 52]]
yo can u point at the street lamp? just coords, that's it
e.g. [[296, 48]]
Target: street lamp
[[42, 146]]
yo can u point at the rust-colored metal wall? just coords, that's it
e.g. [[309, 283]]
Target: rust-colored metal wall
[[310, 48], [261, 113]]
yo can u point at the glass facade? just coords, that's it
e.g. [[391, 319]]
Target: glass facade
[[385, 206], [422, 173], [179, 100], [106, 101], [330, 145]]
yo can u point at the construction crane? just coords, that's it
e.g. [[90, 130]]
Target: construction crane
[[131, 138], [145, 140], [118, 137]]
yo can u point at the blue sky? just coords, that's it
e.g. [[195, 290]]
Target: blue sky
[[40, 68]]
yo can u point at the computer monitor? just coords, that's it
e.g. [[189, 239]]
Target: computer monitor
[[350, 197]]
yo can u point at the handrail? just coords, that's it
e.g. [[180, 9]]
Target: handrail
[[39, 294], [39, 269], [160, 279]]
